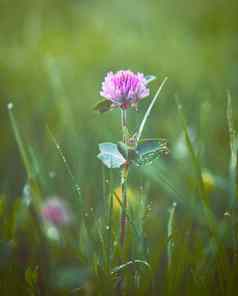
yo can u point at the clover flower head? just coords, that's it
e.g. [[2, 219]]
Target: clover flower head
[[124, 88], [55, 212]]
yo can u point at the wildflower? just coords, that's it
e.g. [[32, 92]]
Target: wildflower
[[124, 88], [55, 212]]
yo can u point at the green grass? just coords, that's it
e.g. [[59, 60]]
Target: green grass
[[53, 57], [187, 249]]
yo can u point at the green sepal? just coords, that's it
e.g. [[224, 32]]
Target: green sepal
[[103, 106]]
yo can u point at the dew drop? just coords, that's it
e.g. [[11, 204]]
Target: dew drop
[[77, 188], [10, 106], [52, 174]]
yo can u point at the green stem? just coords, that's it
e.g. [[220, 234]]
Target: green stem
[[124, 175], [110, 209]]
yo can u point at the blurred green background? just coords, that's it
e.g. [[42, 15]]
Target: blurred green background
[[54, 55], [53, 58]]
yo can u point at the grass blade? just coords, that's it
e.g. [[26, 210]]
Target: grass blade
[[210, 218], [66, 163], [20, 142], [233, 149], [192, 152], [170, 233], [147, 113]]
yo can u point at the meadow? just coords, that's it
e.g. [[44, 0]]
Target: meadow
[[61, 208]]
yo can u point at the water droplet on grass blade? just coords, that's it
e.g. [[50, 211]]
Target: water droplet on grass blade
[[52, 174], [10, 106], [27, 195]]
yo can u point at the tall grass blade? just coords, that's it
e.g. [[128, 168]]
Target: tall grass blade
[[31, 179], [147, 113], [20, 143], [194, 158], [66, 164], [233, 155], [170, 233], [208, 214]]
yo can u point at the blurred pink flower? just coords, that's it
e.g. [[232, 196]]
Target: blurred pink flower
[[124, 88], [54, 211]]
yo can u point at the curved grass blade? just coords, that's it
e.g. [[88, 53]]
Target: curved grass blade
[[147, 113], [126, 265]]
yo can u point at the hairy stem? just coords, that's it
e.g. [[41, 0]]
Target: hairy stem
[[124, 175]]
